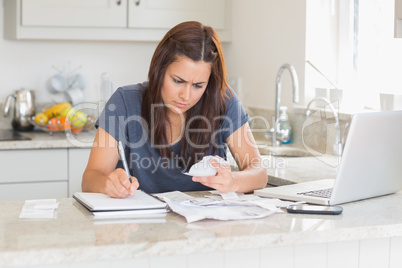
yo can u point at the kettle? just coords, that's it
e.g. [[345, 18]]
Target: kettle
[[24, 108]]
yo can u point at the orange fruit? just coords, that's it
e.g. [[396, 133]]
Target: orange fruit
[[59, 126], [52, 124], [76, 130], [64, 123]]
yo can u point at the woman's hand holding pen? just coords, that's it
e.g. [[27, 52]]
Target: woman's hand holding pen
[[119, 186], [223, 181]]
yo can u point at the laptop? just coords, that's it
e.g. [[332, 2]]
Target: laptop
[[371, 165]]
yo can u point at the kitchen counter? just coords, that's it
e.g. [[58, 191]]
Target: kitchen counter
[[290, 170], [52, 165], [76, 239], [43, 140], [367, 234]]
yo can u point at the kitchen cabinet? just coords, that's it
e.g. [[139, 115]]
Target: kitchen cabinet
[[398, 18], [142, 14], [34, 190], [41, 173], [120, 20], [33, 174], [77, 162], [68, 13]]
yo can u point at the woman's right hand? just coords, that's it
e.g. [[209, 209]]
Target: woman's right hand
[[101, 175], [118, 185]]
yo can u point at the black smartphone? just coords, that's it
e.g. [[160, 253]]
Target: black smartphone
[[313, 209]]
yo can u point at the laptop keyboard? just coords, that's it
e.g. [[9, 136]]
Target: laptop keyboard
[[324, 193]]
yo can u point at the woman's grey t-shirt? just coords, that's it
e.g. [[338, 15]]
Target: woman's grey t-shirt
[[156, 174]]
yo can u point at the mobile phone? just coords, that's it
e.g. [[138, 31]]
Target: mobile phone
[[313, 209]]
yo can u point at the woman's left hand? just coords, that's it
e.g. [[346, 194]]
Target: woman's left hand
[[223, 181]]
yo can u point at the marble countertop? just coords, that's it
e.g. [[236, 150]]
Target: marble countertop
[[74, 236], [289, 170], [283, 170], [44, 140]]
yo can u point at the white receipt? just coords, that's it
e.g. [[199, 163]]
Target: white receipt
[[39, 209], [204, 168], [220, 208], [196, 213]]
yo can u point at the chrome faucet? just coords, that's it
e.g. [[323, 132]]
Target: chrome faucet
[[337, 148], [277, 133]]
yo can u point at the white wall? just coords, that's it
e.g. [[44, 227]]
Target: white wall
[[266, 34]]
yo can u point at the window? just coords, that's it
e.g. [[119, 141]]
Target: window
[[377, 53], [352, 42]]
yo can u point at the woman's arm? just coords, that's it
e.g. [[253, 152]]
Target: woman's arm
[[252, 174], [100, 175]]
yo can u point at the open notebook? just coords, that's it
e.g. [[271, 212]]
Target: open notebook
[[141, 204]]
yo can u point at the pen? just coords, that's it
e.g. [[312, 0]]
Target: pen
[[123, 159]]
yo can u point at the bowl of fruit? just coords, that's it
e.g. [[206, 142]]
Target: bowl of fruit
[[62, 117]]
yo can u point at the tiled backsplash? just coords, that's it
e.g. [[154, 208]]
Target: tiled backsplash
[[317, 132]]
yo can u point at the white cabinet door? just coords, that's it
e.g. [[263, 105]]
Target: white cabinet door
[[109, 19], [33, 174], [35, 190], [164, 14], [77, 162], [74, 13], [19, 166]]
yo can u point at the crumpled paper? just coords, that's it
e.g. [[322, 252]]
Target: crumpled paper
[[204, 168], [196, 213], [238, 206]]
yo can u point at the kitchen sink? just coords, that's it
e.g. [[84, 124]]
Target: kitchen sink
[[283, 150]]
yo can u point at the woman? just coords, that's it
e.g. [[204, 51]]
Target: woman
[[184, 112]]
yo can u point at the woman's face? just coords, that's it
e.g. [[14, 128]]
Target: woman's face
[[184, 83]]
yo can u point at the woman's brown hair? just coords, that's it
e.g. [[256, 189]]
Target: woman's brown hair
[[199, 43]]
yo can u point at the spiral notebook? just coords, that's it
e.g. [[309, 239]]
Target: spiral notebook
[[138, 205]]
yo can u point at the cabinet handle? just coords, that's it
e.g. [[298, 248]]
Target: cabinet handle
[[118, 2], [137, 2]]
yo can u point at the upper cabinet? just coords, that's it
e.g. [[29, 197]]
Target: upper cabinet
[[73, 13], [120, 20], [165, 14], [398, 18]]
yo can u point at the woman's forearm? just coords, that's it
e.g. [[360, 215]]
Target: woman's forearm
[[93, 181], [250, 179]]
